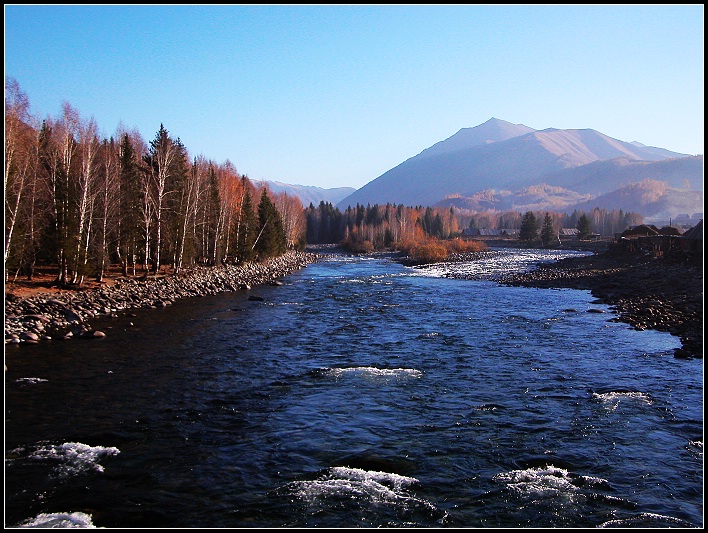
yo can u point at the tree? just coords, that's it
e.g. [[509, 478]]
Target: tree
[[130, 212], [160, 161], [529, 228], [247, 232], [85, 184], [547, 232], [108, 203], [271, 238], [584, 229], [20, 158]]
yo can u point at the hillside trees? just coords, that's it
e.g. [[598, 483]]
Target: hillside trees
[[79, 201]]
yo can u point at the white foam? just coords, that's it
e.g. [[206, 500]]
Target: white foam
[[59, 520], [371, 371], [31, 380], [74, 457], [358, 474], [492, 264], [359, 485], [547, 481], [646, 519], [611, 400]]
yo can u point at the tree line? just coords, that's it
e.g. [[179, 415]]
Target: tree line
[[377, 227], [81, 201], [600, 221]]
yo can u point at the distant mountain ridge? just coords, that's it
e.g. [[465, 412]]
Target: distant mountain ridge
[[308, 194], [499, 155]]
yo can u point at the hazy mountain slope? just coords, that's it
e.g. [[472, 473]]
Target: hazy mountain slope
[[653, 199], [450, 168], [534, 198], [603, 176], [309, 194]]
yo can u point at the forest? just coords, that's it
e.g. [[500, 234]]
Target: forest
[[80, 201]]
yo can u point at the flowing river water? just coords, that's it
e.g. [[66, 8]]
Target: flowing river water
[[359, 393]]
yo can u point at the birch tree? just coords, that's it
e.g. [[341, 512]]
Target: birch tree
[[86, 190], [159, 160], [20, 157]]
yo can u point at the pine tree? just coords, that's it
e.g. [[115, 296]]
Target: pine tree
[[584, 228], [271, 239], [246, 238], [529, 228], [129, 205], [547, 232]]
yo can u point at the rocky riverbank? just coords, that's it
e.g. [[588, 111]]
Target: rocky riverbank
[[65, 315], [645, 292]]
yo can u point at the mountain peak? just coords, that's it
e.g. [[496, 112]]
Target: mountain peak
[[491, 131], [499, 154]]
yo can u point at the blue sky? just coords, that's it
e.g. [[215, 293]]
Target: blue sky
[[336, 95]]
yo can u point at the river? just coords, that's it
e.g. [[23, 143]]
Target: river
[[359, 393]]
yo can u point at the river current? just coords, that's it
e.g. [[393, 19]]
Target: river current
[[359, 393]]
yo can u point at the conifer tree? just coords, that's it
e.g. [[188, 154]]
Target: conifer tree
[[129, 205], [529, 228], [584, 229], [547, 232], [271, 239], [248, 231]]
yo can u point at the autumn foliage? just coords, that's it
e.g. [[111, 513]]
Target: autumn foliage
[[431, 250], [80, 202]]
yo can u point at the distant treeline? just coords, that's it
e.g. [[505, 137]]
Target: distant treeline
[[379, 227], [602, 221], [80, 201]]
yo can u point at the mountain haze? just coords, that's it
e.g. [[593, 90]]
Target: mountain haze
[[498, 155]]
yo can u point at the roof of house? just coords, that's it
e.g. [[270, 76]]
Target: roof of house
[[696, 232]]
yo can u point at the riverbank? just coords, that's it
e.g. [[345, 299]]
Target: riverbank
[[48, 314], [645, 292]]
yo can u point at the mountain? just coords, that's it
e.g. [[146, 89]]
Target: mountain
[[502, 156], [493, 130], [654, 199], [308, 194], [603, 176], [534, 198]]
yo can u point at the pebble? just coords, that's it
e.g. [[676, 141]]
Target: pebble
[[44, 316]]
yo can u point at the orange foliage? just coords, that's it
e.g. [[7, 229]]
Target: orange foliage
[[430, 250]]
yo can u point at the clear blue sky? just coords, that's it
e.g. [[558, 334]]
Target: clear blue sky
[[336, 95]]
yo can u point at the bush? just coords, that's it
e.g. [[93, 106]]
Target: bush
[[432, 250]]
